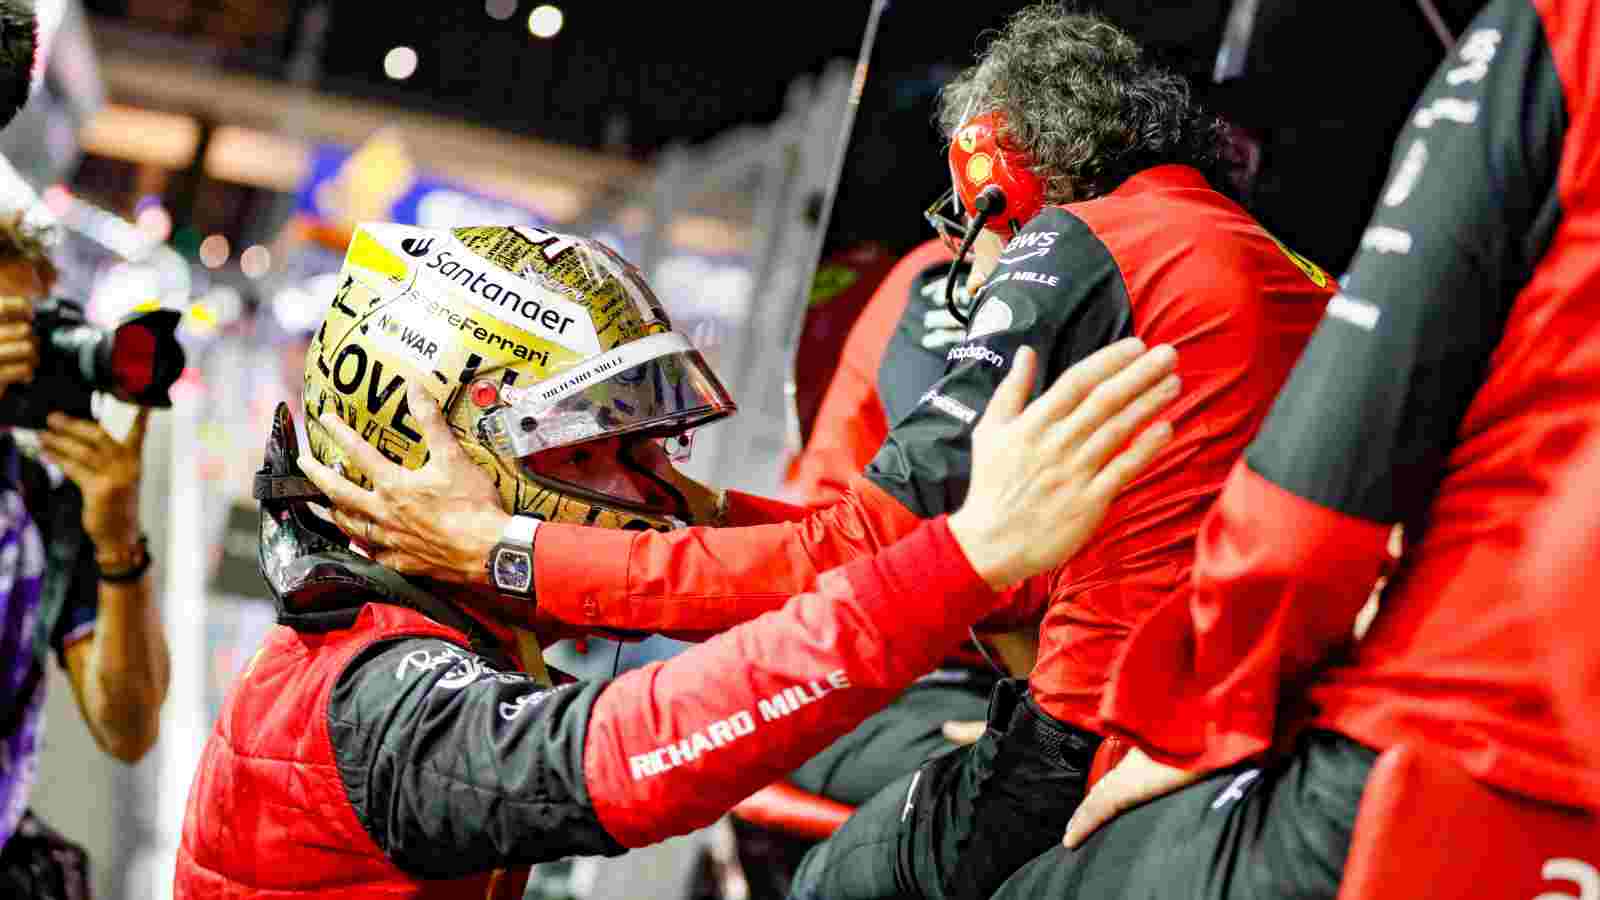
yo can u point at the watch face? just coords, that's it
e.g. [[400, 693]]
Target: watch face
[[513, 569]]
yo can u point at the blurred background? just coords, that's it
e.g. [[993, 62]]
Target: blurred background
[[212, 155]]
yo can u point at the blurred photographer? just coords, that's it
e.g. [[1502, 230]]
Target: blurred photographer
[[73, 579]]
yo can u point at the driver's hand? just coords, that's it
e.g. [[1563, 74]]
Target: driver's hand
[[1044, 473], [439, 521], [19, 349]]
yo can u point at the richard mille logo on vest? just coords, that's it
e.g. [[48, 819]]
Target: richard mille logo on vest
[[417, 246]]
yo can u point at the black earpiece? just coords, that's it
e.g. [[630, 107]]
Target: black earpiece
[[991, 201]]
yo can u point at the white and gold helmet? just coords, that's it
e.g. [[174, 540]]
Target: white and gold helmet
[[552, 360]]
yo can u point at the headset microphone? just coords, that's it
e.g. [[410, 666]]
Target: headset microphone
[[990, 202]]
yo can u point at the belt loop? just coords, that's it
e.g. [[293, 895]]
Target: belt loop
[[1003, 702]]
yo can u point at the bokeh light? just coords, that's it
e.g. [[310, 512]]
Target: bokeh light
[[214, 251], [400, 63], [154, 222], [255, 261], [545, 21], [500, 10]]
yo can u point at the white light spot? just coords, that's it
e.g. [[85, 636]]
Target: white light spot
[[545, 21], [214, 251], [400, 63], [155, 223], [500, 10], [255, 261]]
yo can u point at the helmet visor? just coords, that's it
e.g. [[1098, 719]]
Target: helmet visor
[[656, 386], [627, 473]]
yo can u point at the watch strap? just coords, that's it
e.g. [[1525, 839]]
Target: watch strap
[[510, 563]]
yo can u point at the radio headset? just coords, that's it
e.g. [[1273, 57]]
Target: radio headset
[[995, 183]]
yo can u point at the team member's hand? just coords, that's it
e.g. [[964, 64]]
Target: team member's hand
[[440, 520], [1044, 473], [105, 470], [19, 349], [963, 733], [1137, 779]]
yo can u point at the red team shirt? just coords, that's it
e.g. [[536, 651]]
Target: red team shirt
[[1453, 381]]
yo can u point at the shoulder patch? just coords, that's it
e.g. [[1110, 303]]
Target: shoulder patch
[[993, 316]]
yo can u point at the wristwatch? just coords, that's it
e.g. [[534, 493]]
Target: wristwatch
[[126, 566], [510, 563]]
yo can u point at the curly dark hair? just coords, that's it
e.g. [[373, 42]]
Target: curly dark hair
[[19, 42], [1078, 97]]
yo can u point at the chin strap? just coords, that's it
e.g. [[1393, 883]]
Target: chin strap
[[317, 582]]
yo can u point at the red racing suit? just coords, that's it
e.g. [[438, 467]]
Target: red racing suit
[[844, 284], [377, 755], [1454, 378], [1163, 257], [1559, 583]]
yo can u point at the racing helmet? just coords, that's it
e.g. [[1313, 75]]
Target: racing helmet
[[552, 361]]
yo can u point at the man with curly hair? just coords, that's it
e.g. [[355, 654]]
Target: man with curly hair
[[1134, 238]]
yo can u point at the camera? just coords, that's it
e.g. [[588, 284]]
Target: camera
[[137, 361]]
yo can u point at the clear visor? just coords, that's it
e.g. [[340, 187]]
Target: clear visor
[[657, 386], [631, 473]]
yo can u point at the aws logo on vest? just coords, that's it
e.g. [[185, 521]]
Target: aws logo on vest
[[1032, 243]]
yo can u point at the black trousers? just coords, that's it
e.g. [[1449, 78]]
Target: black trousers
[[898, 738], [962, 823], [1242, 834]]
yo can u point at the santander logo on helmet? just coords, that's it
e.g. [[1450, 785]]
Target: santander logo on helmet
[[979, 160]]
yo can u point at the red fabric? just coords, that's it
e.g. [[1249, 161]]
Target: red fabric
[[674, 745], [1106, 758], [1276, 571], [696, 581], [850, 424], [1202, 276], [1455, 662], [845, 283], [1512, 848], [785, 808], [750, 509], [267, 814], [1559, 581]]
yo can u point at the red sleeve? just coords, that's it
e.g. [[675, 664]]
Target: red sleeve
[[751, 509], [698, 580], [1277, 582], [1021, 605], [849, 429], [672, 746], [1560, 578]]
